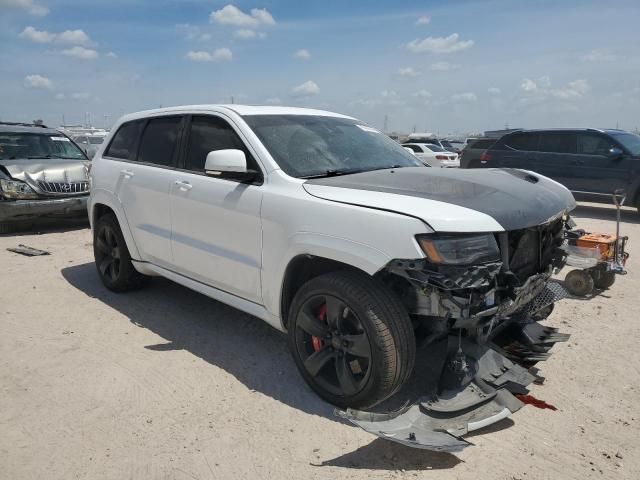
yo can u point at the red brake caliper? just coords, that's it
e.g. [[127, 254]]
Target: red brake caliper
[[317, 342]]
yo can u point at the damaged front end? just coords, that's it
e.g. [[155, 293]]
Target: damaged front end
[[479, 324]]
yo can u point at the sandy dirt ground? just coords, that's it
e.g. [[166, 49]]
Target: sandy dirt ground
[[166, 383]]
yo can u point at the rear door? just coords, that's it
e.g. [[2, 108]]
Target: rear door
[[216, 225], [557, 157], [144, 185], [518, 150], [598, 171]]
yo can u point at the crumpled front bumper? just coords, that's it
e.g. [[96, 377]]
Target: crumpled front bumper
[[474, 385], [26, 209]]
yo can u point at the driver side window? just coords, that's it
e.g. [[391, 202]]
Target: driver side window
[[589, 144], [209, 133]]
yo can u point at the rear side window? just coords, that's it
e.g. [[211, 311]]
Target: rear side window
[[160, 141], [415, 148], [125, 142], [482, 144], [557, 143], [590, 144], [209, 133], [522, 141]]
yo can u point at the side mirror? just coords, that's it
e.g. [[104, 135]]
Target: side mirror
[[615, 153], [229, 163], [225, 161]]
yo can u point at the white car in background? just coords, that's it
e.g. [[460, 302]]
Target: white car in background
[[89, 142], [434, 155]]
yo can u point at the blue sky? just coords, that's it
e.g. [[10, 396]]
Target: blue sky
[[441, 66]]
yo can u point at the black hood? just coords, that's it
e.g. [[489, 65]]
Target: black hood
[[514, 198]]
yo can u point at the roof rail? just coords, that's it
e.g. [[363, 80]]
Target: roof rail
[[23, 124]]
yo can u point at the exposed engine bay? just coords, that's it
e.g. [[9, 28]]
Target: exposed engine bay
[[480, 325]]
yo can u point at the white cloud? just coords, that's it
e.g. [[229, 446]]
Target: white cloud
[[245, 33], [439, 45], [424, 20], [444, 67], [581, 86], [388, 94], [232, 15], [574, 90], [111, 55], [464, 97], [37, 36], [60, 96], [544, 81], [408, 72], [598, 55], [302, 54], [218, 55], [528, 85], [494, 91], [29, 5], [68, 37], [80, 96], [81, 53], [192, 32], [306, 89], [38, 81], [422, 94]]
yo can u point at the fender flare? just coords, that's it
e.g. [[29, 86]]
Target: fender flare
[[358, 255], [110, 200]]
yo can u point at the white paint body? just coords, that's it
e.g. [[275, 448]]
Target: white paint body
[[233, 241]]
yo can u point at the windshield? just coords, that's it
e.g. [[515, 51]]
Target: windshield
[[37, 145], [629, 141], [96, 140], [309, 145]]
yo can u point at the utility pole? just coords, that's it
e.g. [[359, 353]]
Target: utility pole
[[232, 100], [386, 123]]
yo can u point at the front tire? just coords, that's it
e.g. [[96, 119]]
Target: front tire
[[351, 339], [112, 257]]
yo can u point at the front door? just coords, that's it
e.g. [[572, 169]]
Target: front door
[[599, 171], [216, 228]]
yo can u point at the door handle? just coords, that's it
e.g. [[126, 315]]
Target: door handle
[[126, 173], [182, 185]]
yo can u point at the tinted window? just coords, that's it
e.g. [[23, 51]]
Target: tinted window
[[630, 141], [415, 148], [435, 148], [482, 143], [160, 140], [125, 141], [557, 143], [590, 144], [96, 140], [212, 133], [522, 141]]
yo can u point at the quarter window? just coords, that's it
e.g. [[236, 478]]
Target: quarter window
[[415, 148], [125, 142], [557, 143], [160, 140], [523, 141], [209, 133], [589, 144]]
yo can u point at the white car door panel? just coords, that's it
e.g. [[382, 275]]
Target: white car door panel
[[216, 233]]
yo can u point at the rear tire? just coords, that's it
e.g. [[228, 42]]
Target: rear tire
[[351, 339], [112, 257], [579, 283]]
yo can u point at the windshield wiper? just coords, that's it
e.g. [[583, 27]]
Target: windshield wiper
[[44, 156], [333, 173]]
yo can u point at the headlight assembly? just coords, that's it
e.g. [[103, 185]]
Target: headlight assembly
[[16, 190], [462, 249]]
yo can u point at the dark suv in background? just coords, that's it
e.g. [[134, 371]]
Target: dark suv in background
[[473, 150], [591, 163]]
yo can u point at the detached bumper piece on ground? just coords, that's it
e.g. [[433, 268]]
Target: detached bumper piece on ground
[[476, 385]]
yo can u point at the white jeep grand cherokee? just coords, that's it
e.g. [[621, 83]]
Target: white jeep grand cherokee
[[327, 229]]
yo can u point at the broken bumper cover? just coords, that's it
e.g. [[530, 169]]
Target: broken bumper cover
[[480, 394], [25, 209]]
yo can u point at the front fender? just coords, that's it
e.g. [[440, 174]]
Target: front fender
[[109, 199]]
